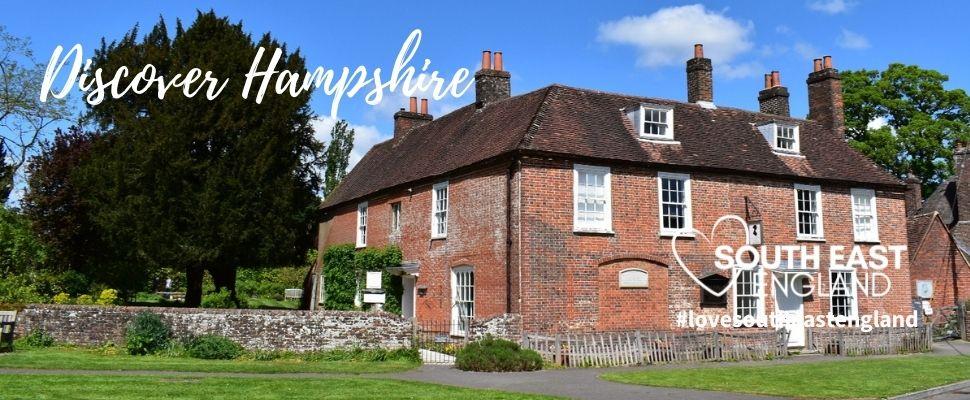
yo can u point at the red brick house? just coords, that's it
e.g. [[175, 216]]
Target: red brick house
[[939, 235], [560, 205]]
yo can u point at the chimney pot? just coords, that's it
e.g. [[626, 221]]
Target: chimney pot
[[817, 65], [767, 81], [773, 99], [413, 106], [486, 59], [698, 50], [498, 61], [827, 62], [424, 106], [775, 78]]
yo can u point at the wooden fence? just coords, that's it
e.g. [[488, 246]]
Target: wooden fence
[[609, 349], [851, 341]]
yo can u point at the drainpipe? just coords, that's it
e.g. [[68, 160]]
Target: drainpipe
[[508, 234]]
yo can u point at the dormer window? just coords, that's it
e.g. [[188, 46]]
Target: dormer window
[[656, 122], [783, 137]]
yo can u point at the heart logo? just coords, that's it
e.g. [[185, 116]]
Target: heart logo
[[693, 232]]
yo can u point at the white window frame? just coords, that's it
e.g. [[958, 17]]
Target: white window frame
[[582, 226], [872, 236], [459, 293], [642, 119], [688, 229], [396, 217], [435, 232], [758, 276], [853, 287], [770, 132], [820, 232], [362, 224]]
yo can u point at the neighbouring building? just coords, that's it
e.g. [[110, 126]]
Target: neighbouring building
[[560, 206], [939, 236]]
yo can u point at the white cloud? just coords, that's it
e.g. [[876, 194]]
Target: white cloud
[[806, 50], [851, 40], [831, 6], [365, 136], [740, 70], [877, 123], [667, 36]]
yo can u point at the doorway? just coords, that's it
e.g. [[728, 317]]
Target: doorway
[[790, 308]]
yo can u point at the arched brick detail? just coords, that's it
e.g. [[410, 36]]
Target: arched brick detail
[[647, 257]]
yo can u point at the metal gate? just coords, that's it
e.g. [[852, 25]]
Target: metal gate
[[948, 323], [439, 341]]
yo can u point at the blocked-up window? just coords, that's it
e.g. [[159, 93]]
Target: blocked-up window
[[395, 217]]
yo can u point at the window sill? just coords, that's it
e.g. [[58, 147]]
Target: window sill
[[685, 235], [810, 239], [593, 232], [787, 153], [361, 246], [439, 237], [867, 241], [658, 139]]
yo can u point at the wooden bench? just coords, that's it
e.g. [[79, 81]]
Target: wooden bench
[[8, 320]]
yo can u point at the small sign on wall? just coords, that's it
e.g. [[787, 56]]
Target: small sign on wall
[[633, 278], [373, 280], [754, 233], [924, 289]]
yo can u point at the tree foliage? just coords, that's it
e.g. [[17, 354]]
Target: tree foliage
[[23, 117], [202, 184], [920, 119], [338, 156], [7, 169]]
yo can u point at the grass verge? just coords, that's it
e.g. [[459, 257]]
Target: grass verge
[[100, 359], [144, 387], [849, 379]]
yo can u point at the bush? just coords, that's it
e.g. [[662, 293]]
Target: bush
[[20, 289], [497, 355], [37, 338], [213, 347], [268, 283], [220, 299], [146, 334], [84, 300], [108, 297], [62, 298]]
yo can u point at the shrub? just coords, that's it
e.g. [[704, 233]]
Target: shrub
[[37, 338], [220, 299], [146, 334], [268, 283], [108, 297], [497, 355], [84, 299], [62, 298], [213, 347], [20, 289]]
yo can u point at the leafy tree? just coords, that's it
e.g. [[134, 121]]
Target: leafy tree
[[200, 184], [7, 170], [923, 120], [338, 156], [23, 117], [20, 251], [54, 204]]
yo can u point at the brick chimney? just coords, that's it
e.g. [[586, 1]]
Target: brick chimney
[[914, 194], [825, 95], [700, 84], [774, 97], [492, 82], [404, 121], [960, 152]]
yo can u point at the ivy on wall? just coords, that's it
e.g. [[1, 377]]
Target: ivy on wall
[[344, 269]]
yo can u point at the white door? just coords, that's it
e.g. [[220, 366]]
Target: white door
[[407, 296], [789, 308]]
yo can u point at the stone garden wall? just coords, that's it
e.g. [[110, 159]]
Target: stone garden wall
[[253, 329]]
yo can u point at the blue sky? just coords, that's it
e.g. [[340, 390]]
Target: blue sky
[[622, 46]]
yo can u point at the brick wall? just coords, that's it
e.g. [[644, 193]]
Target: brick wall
[[477, 231], [939, 260], [567, 276], [253, 329]]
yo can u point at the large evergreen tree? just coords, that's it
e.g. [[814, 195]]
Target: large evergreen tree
[[198, 184], [922, 119], [338, 155]]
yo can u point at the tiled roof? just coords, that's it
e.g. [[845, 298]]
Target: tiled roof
[[588, 124], [916, 228]]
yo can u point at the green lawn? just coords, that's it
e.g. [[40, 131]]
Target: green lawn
[[96, 359], [157, 387], [856, 378]]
